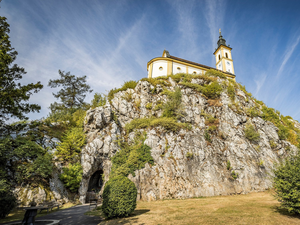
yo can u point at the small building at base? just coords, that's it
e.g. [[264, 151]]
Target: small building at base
[[168, 64]]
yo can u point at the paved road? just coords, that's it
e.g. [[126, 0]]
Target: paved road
[[73, 215]]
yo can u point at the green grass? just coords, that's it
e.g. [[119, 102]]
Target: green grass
[[170, 124], [254, 208]]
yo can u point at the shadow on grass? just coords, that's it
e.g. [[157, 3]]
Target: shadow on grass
[[285, 212], [130, 219]]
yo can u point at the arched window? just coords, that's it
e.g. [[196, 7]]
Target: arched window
[[194, 72], [178, 68], [219, 57], [226, 54], [160, 68]]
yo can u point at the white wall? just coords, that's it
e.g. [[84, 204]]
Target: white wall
[[228, 65], [217, 55], [228, 52], [181, 66], [156, 71], [191, 70]]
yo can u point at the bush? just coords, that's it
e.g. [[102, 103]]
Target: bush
[[131, 158], [215, 73], [7, 200], [189, 155], [286, 184], [213, 90], [173, 107], [167, 123], [71, 176], [231, 92], [119, 197], [250, 133], [127, 85]]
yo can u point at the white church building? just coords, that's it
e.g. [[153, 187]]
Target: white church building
[[168, 64]]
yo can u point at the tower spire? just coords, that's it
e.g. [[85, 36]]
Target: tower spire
[[221, 40]]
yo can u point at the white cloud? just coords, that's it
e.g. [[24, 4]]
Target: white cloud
[[288, 53]]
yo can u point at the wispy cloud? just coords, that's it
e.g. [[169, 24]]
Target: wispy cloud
[[214, 16], [288, 53]]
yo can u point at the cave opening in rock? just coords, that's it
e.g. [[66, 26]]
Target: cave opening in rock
[[96, 182]]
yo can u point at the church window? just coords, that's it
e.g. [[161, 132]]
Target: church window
[[226, 54], [194, 72], [160, 68], [178, 68], [219, 57]]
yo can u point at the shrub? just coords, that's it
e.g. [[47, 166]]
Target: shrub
[[71, 176], [173, 107], [215, 73], [149, 105], [273, 144], [131, 158], [286, 184], [250, 133], [189, 155], [253, 112], [234, 175], [119, 197], [207, 136], [213, 90], [231, 92], [7, 199], [127, 85], [228, 165], [167, 123]]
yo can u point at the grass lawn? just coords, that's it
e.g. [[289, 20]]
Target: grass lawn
[[18, 214], [253, 208]]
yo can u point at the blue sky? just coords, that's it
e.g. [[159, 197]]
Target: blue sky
[[111, 41]]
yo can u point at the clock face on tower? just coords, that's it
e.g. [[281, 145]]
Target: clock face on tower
[[220, 65], [228, 63]]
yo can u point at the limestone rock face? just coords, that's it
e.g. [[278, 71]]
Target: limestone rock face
[[56, 191], [186, 164]]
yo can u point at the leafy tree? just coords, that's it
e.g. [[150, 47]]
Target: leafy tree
[[119, 197], [70, 148], [286, 184], [27, 161], [72, 94], [71, 176], [7, 199], [13, 95], [99, 100]]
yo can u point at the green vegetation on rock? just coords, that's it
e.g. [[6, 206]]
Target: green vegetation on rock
[[250, 133], [131, 157], [127, 85], [119, 197]]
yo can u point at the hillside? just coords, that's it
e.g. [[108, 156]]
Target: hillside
[[183, 136]]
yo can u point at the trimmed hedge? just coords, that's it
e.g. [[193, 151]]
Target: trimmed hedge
[[119, 197]]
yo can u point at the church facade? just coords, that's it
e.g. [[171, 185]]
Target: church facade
[[168, 64]]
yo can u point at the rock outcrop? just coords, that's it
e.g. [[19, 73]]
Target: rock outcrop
[[186, 163]]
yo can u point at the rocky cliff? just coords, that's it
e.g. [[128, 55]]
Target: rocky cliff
[[213, 156]]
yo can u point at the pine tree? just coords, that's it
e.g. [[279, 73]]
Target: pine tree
[[13, 95]]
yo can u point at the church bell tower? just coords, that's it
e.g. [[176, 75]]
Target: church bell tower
[[223, 56]]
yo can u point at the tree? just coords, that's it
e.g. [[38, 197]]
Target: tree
[[13, 95], [286, 184], [72, 94]]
